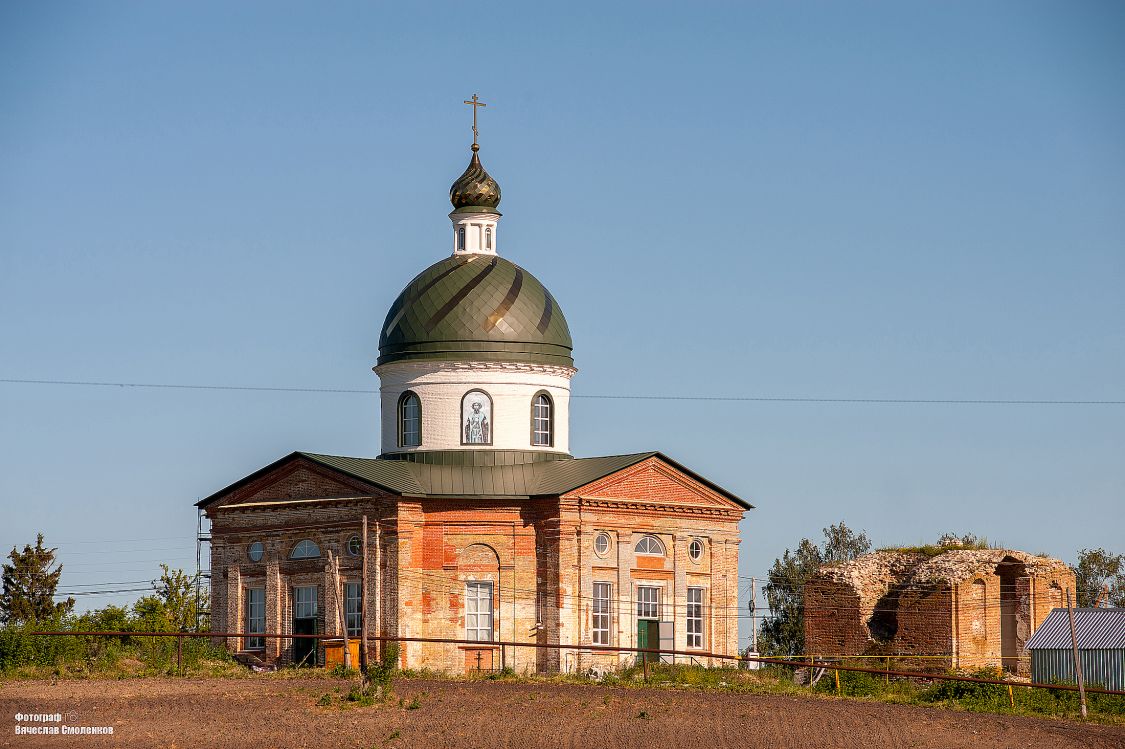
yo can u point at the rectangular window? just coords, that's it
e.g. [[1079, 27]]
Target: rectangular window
[[648, 602], [304, 602], [602, 616], [695, 617], [478, 611], [353, 605], [255, 617]]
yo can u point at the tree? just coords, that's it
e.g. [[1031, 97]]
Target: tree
[[1096, 570], [173, 607], [30, 582], [783, 632]]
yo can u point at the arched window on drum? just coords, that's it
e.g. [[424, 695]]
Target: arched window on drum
[[409, 420], [542, 420]]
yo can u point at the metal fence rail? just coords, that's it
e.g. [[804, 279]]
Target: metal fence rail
[[655, 652]]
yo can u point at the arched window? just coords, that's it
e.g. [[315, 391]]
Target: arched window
[[488, 238], [461, 239], [541, 433], [649, 545], [409, 420], [305, 549]]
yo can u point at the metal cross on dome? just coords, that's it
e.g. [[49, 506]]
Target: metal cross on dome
[[475, 102]]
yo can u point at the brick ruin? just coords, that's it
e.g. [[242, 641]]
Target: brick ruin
[[973, 608]]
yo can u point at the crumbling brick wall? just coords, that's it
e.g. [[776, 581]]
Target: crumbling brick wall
[[973, 608]]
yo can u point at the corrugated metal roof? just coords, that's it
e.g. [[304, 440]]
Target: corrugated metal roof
[[1096, 629], [518, 480], [389, 474], [561, 476]]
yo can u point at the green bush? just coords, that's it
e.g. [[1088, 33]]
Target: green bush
[[853, 684], [969, 694]]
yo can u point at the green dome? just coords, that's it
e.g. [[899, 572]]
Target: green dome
[[473, 308]]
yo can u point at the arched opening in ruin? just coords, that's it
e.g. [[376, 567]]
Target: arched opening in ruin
[[1015, 611], [883, 623]]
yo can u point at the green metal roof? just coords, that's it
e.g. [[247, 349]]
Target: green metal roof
[[540, 478], [476, 307]]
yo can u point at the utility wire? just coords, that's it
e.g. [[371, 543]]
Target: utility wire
[[722, 398]]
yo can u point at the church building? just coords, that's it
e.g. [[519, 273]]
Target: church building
[[481, 526]]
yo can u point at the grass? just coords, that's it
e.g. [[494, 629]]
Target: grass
[[144, 660]]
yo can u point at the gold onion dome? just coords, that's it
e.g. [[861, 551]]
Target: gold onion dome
[[475, 188]]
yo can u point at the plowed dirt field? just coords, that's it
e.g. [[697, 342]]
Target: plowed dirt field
[[270, 712]]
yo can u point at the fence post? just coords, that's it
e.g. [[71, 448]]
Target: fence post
[[1077, 663], [1011, 697], [837, 682], [179, 655]]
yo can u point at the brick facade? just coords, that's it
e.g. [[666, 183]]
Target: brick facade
[[973, 608], [538, 553]]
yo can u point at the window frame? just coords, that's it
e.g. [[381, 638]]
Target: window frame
[[602, 535], [695, 616], [353, 608], [644, 604], [474, 595], [304, 544], [651, 539], [549, 419], [255, 618], [702, 550], [488, 237], [601, 614], [461, 238], [255, 546], [299, 604], [358, 542], [403, 401]]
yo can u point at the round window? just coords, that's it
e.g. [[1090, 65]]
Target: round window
[[354, 547], [695, 550], [601, 544], [256, 551]]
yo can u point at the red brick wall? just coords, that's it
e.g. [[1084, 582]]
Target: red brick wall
[[537, 553]]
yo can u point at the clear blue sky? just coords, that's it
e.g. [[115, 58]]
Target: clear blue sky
[[896, 200]]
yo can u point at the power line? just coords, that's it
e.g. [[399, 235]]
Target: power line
[[718, 398]]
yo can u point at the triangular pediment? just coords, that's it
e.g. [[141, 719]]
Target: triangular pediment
[[657, 482], [293, 478]]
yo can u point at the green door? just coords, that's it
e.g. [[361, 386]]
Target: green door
[[648, 636]]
